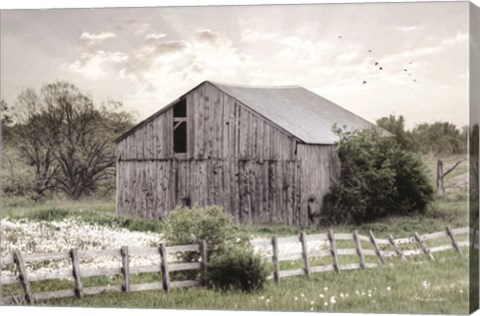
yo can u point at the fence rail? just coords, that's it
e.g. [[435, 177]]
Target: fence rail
[[164, 268]]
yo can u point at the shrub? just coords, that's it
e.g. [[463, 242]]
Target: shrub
[[377, 179], [192, 225], [238, 268]]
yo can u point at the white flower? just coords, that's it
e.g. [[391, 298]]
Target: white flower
[[311, 308], [268, 300], [326, 303], [312, 302], [321, 295], [325, 288], [333, 300], [301, 294], [296, 298], [261, 297], [389, 288], [369, 294], [461, 291]]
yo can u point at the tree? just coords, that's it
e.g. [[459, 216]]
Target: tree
[[68, 139], [439, 138], [377, 178], [396, 126]]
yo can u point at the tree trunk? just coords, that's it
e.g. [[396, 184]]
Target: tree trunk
[[440, 186]]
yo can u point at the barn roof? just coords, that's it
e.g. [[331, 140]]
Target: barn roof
[[302, 113]]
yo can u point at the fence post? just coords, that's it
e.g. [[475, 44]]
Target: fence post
[[204, 262], [125, 269], [306, 264], [22, 275], [375, 245], [397, 249], [76, 273], [454, 242], [333, 251], [423, 247], [164, 267], [358, 246], [276, 265]]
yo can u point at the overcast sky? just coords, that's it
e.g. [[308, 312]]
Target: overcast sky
[[148, 57]]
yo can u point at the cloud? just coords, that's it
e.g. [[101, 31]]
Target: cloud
[[207, 36], [155, 36], [96, 65], [92, 39], [407, 29]]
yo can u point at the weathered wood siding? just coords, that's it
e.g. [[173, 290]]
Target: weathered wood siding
[[319, 166], [235, 159]]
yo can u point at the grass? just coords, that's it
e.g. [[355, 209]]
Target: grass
[[400, 288]]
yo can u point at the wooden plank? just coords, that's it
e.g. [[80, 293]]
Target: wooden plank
[[407, 240], [184, 266], [398, 251], [204, 262], [9, 280], [46, 256], [287, 273], [364, 238], [125, 269], [306, 264], [146, 287], [369, 252], [164, 267], [182, 248], [143, 251], [76, 272], [351, 266], [320, 253], [433, 236], [333, 250], [412, 252], [318, 237], [288, 240], [454, 242], [182, 284], [422, 246], [359, 250], [347, 252], [343, 236], [375, 246], [101, 272], [460, 231], [99, 253], [441, 248], [23, 276], [388, 253], [322, 269], [276, 265], [145, 269], [54, 294], [102, 289]]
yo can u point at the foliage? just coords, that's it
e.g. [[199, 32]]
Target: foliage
[[396, 126], [238, 268], [377, 179], [66, 139], [192, 225]]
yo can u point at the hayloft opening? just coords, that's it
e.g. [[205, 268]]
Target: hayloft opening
[[180, 127]]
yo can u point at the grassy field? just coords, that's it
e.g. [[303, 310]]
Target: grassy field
[[419, 286]]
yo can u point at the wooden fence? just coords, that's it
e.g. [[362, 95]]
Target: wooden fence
[[165, 267]]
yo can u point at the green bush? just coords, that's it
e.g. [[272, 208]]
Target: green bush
[[377, 179], [237, 268], [192, 225]]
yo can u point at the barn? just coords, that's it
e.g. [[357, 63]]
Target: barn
[[265, 154]]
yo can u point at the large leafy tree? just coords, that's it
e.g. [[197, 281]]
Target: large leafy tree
[[67, 139]]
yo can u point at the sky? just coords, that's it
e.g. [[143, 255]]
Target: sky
[[147, 57]]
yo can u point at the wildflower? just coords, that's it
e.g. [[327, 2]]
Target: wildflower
[[326, 303], [332, 300], [461, 291], [389, 288], [262, 297], [301, 294], [369, 294], [311, 308], [346, 295], [357, 292], [267, 301], [341, 295], [296, 298], [321, 295], [312, 302], [325, 288]]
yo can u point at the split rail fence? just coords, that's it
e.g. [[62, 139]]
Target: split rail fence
[[24, 278]]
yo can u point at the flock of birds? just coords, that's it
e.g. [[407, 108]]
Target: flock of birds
[[380, 67]]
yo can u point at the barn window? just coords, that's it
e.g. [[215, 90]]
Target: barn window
[[180, 127]]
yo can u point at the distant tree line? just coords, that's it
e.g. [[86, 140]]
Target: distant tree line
[[439, 138], [58, 141]]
